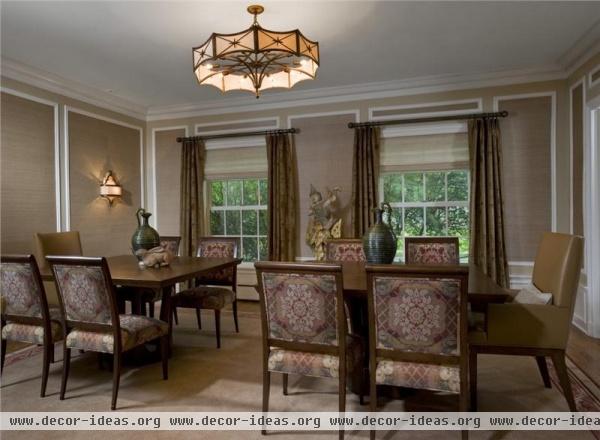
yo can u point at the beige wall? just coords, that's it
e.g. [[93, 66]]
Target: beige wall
[[340, 167], [27, 172], [167, 175], [527, 177], [168, 172], [96, 146], [93, 146], [324, 154]]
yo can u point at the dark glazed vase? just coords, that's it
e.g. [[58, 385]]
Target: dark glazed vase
[[380, 242], [144, 237]]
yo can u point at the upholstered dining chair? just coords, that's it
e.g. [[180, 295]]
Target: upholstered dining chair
[[26, 316], [54, 243], [145, 298], [304, 325], [431, 250], [214, 290], [344, 249], [538, 330], [418, 329], [90, 319]]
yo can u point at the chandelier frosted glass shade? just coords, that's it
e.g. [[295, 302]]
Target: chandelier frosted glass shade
[[256, 59]]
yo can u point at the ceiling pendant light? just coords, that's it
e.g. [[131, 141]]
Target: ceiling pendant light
[[256, 58]]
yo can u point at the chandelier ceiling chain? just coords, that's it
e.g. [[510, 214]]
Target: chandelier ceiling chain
[[256, 59]]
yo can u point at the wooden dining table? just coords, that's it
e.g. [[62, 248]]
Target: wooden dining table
[[481, 287], [125, 271]]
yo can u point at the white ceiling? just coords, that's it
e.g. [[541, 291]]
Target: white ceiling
[[141, 51]]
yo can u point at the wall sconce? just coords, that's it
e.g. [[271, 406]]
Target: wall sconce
[[110, 189]]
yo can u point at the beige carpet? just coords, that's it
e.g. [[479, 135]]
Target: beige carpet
[[202, 378]]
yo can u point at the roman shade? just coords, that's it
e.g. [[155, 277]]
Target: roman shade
[[236, 161], [424, 152]]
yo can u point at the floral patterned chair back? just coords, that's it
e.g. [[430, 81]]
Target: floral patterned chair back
[[301, 305], [85, 290], [420, 314], [303, 319], [171, 244], [21, 287], [218, 247], [431, 250], [345, 250]]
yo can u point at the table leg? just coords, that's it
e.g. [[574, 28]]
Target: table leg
[[166, 313]]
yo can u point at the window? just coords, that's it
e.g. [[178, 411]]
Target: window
[[429, 203], [239, 209]]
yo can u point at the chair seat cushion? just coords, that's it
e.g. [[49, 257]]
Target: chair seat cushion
[[33, 334], [135, 330], [316, 364], [420, 376], [205, 297]]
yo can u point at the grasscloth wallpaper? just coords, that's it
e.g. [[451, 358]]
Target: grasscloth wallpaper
[[168, 159], [96, 146], [527, 176], [27, 172]]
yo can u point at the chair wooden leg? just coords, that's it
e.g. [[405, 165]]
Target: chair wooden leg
[[116, 378], [175, 315], [218, 327], [473, 378], [199, 318], [65, 370], [151, 309], [235, 316], [164, 356], [342, 398], [373, 398], [46, 367], [543, 367], [266, 389], [3, 343], [558, 359], [463, 398], [285, 384]]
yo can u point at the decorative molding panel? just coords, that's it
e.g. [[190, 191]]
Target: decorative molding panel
[[57, 173]]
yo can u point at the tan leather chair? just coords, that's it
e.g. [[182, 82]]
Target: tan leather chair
[[54, 243], [538, 330]]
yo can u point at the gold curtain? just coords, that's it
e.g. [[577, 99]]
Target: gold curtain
[[487, 244], [365, 175], [282, 197], [192, 200]]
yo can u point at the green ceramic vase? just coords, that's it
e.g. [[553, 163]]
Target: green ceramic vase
[[144, 237], [380, 242]]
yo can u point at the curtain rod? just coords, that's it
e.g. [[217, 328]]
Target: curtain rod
[[501, 114], [244, 134]]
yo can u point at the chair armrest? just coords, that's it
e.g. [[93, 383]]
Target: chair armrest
[[528, 325]]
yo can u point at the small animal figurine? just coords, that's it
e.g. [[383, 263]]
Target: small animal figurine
[[155, 257]]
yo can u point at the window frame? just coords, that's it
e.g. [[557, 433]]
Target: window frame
[[424, 205], [209, 208]]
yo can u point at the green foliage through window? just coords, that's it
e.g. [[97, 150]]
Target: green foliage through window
[[429, 203], [239, 209]]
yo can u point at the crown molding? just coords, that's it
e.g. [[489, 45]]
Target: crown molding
[[356, 92], [584, 48], [72, 89], [566, 65]]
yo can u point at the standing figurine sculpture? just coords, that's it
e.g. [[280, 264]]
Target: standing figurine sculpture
[[323, 222]]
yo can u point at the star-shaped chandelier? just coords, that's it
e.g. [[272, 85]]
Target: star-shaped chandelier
[[256, 59]]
